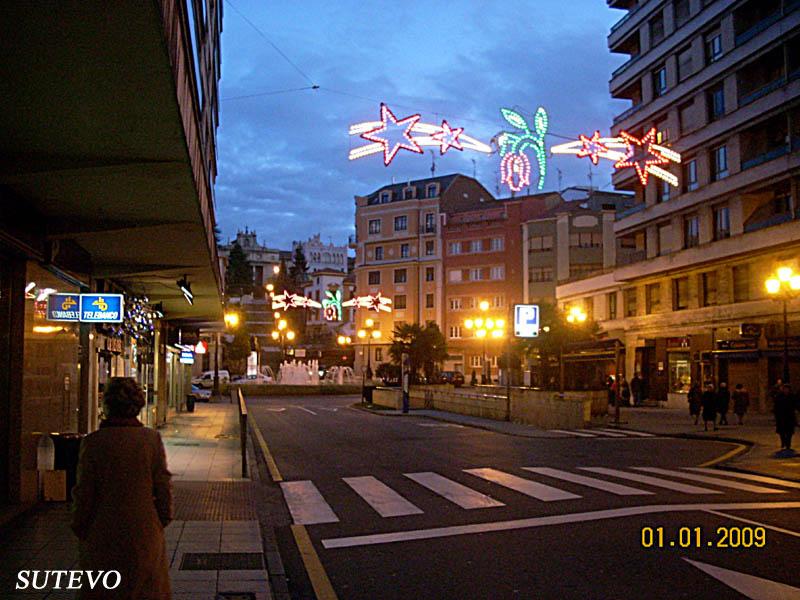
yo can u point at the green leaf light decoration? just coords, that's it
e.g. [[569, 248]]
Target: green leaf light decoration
[[515, 166]]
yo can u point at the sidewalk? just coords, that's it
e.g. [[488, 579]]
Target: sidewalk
[[214, 543]]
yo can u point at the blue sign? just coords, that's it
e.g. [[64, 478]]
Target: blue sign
[[63, 307], [101, 308], [187, 357], [526, 320]]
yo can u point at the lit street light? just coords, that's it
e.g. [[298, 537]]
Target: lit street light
[[785, 286], [575, 316], [369, 332], [485, 327], [283, 333]]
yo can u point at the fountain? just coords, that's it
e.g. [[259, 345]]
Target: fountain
[[340, 375], [299, 373]]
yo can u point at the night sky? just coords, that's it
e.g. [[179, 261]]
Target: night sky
[[282, 155]]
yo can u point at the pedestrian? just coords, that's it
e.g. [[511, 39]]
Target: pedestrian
[[611, 386], [723, 402], [709, 402], [626, 393], [473, 381], [636, 389], [695, 401], [122, 500], [741, 400], [785, 418]]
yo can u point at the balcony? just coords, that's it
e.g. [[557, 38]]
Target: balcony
[[424, 229], [624, 66], [748, 34], [624, 115], [765, 157], [762, 91], [631, 257]]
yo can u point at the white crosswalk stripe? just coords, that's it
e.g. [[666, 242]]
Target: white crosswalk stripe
[[603, 432], [654, 481], [575, 433], [748, 476], [627, 432], [528, 487], [453, 491], [606, 486], [385, 501], [306, 504], [737, 485]]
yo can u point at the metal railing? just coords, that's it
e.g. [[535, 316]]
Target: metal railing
[[242, 427]]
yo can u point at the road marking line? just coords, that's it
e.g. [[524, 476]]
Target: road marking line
[[605, 432], [750, 476], [453, 491], [316, 572], [306, 504], [654, 481], [440, 425], [534, 489], [272, 466], [628, 432], [728, 455], [575, 433], [273, 409], [630, 511], [305, 409], [756, 489], [382, 498], [749, 586], [600, 484], [764, 525]]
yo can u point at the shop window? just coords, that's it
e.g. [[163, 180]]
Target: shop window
[[680, 373]]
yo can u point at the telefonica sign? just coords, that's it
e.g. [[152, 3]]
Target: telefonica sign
[[87, 308]]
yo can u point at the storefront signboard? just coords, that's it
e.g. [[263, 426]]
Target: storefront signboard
[[101, 308], [63, 307]]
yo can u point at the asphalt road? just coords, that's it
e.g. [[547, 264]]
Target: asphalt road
[[380, 499]]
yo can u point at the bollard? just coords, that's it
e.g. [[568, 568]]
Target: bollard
[[243, 431]]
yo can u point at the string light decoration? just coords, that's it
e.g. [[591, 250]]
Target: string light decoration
[[383, 136], [376, 302], [288, 300], [139, 319], [643, 154], [332, 304], [515, 172]]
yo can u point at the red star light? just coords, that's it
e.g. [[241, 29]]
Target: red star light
[[448, 137], [390, 125], [592, 147], [641, 154]]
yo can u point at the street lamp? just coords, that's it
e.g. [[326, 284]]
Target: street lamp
[[283, 333], [575, 316], [784, 285], [484, 328], [231, 319], [369, 332]]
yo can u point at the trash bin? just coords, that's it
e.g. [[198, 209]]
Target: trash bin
[[67, 446], [368, 394], [189, 403]]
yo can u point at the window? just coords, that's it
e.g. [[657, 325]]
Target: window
[[682, 12], [652, 298], [586, 240], [713, 46], [741, 283], [430, 274], [685, 67], [428, 300], [432, 190], [656, 30], [454, 276], [708, 288], [455, 331], [455, 304], [400, 275], [498, 301], [401, 223], [476, 246], [497, 244], [584, 270], [385, 197], [403, 250], [680, 293], [497, 272], [541, 243], [691, 231], [715, 97], [476, 361], [454, 248], [630, 302], [539, 274], [378, 354], [378, 252], [430, 248], [476, 274], [408, 193], [719, 163], [400, 302], [375, 226], [430, 222], [722, 222], [660, 81], [663, 190], [664, 238], [374, 277], [690, 175], [611, 305]]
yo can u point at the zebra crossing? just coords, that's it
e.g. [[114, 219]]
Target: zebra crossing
[[308, 506], [603, 432]]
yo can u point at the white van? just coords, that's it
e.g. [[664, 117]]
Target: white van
[[206, 380]]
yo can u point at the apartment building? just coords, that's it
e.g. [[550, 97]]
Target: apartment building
[[721, 83], [398, 246]]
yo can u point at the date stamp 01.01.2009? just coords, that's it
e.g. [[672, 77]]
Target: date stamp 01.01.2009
[[695, 537]]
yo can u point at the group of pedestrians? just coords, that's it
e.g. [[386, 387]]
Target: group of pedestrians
[[710, 403]]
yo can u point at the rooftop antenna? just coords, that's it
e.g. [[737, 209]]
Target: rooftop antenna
[[473, 168], [560, 177], [433, 164], [591, 175]]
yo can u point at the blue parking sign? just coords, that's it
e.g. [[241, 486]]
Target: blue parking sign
[[526, 320]]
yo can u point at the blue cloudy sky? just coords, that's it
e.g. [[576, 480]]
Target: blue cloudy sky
[[282, 157]]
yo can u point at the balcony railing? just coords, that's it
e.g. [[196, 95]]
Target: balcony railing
[[765, 157], [627, 113], [630, 258], [768, 222], [754, 30], [427, 228], [625, 65], [762, 91]]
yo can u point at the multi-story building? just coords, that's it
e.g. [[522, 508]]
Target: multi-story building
[[263, 260], [721, 83], [321, 256], [399, 252]]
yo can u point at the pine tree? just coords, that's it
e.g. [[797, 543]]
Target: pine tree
[[299, 267], [239, 275]]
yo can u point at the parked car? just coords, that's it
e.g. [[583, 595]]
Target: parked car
[[453, 377], [206, 380], [200, 394]]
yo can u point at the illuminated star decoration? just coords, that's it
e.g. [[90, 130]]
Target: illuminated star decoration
[[383, 136], [375, 302], [515, 167], [593, 147], [288, 300]]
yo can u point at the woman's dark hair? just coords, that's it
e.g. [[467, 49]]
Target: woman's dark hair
[[123, 398]]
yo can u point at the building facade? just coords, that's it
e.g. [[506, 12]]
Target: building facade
[[721, 83], [321, 256], [263, 260]]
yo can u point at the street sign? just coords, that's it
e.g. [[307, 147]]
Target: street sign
[[526, 320], [101, 308], [187, 357], [63, 307]]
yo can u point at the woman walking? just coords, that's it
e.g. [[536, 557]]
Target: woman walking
[[723, 402], [709, 401], [695, 402], [785, 418], [122, 499], [741, 400]]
